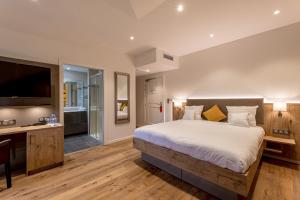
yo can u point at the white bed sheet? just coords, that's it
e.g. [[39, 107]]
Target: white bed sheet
[[220, 143], [122, 115]]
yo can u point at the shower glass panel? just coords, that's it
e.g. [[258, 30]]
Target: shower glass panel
[[96, 108]]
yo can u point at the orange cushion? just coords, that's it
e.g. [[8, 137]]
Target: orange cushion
[[214, 114], [123, 105]]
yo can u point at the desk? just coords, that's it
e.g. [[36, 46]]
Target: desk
[[44, 146]]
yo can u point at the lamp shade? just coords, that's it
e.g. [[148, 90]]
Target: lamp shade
[[178, 102], [280, 106]]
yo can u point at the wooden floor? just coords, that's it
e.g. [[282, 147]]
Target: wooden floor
[[116, 172]]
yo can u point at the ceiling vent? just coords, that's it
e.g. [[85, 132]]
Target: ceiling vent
[[154, 61], [166, 56]]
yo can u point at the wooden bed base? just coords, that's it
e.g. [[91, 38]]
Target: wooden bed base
[[236, 182]]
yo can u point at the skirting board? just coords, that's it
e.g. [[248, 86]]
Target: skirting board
[[196, 181]]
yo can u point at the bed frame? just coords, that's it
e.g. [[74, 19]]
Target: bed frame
[[221, 182]]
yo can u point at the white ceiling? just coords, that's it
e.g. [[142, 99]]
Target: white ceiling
[[111, 22], [142, 8]]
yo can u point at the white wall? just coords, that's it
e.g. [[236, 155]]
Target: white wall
[[29, 47], [266, 65]]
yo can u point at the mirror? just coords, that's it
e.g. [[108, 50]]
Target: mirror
[[70, 94], [74, 92], [122, 104]]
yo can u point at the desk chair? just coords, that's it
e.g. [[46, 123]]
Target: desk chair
[[5, 159]]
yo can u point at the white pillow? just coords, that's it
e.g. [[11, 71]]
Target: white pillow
[[243, 109], [239, 119], [198, 111], [189, 115]]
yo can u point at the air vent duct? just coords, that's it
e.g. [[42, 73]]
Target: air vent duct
[[166, 56], [154, 61]]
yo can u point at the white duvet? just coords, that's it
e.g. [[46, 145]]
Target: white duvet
[[222, 144]]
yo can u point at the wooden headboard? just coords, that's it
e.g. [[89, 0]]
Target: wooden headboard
[[222, 103]]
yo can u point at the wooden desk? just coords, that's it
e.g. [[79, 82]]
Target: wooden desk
[[44, 146]]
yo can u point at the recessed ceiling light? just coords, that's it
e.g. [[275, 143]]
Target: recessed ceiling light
[[131, 37], [276, 12], [211, 35], [147, 70], [180, 7], [34, 1]]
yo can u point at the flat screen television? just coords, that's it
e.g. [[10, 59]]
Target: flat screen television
[[24, 81], [19, 80]]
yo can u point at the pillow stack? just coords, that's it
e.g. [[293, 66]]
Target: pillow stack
[[193, 112], [237, 115], [242, 115]]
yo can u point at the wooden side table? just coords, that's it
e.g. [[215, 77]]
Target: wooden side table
[[275, 146]]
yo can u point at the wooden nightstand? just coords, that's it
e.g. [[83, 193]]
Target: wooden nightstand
[[276, 147]]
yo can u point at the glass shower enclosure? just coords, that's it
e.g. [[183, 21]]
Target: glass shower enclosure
[[96, 107]]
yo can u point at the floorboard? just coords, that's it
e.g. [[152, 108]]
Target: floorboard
[[117, 172]]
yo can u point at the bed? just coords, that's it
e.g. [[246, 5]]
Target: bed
[[197, 151], [122, 114]]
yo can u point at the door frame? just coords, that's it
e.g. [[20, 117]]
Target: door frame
[[146, 97], [61, 92]]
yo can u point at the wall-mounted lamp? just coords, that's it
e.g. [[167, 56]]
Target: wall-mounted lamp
[[178, 108], [280, 107], [179, 102]]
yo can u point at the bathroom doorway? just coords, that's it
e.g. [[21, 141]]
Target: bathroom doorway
[[83, 107]]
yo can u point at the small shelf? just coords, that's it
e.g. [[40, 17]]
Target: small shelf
[[273, 150], [287, 141]]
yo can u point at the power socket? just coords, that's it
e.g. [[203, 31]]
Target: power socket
[[281, 131], [10, 122], [276, 131]]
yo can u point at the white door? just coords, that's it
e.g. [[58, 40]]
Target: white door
[[154, 105]]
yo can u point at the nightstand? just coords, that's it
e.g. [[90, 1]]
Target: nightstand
[[278, 147]]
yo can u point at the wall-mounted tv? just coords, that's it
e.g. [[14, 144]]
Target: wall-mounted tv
[[21, 82]]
